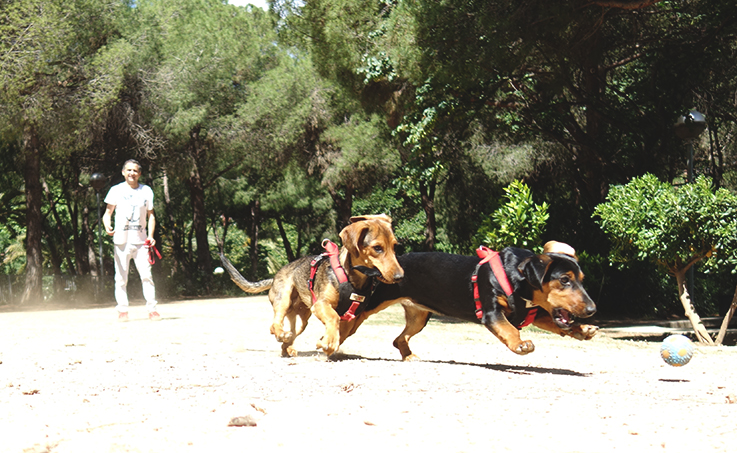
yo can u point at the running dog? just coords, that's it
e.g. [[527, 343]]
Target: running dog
[[544, 290], [304, 286]]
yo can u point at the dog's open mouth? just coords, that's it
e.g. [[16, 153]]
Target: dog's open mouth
[[563, 318]]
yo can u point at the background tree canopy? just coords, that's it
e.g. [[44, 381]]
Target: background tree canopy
[[262, 132]]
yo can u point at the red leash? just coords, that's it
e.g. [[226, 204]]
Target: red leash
[[152, 252]]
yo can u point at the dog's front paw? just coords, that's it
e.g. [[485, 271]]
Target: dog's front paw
[[288, 351], [411, 358], [328, 346], [583, 331], [524, 347], [281, 335], [277, 330]]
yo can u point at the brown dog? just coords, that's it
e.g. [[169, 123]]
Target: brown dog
[[367, 252], [545, 290]]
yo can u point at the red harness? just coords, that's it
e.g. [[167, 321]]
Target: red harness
[[490, 256], [332, 251]]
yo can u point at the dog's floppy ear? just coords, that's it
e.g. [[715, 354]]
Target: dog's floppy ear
[[561, 248], [383, 217], [352, 236], [534, 269]]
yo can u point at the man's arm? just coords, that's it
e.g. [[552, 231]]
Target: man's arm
[[107, 219], [151, 226]]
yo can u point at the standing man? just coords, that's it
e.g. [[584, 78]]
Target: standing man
[[133, 204]]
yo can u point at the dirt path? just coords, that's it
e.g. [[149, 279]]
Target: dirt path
[[78, 381]]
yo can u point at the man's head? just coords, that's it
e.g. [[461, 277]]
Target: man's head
[[131, 172]]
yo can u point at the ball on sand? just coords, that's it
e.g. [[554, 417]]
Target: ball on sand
[[676, 350]]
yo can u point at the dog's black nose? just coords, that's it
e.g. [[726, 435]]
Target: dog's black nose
[[398, 276], [590, 309]]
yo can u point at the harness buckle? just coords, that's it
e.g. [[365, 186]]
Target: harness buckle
[[479, 313], [350, 314]]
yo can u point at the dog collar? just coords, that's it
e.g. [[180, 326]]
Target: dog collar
[[489, 256]]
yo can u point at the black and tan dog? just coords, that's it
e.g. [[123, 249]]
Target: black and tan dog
[[367, 252], [546, 290]]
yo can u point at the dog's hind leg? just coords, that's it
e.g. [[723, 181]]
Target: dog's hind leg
[[416, 319], [289, 334], [287, 338], [282, 297], [298, 316]]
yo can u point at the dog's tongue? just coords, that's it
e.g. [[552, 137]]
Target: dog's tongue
[[564, 316]]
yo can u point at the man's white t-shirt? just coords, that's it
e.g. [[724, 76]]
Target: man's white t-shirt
[[131, 212]]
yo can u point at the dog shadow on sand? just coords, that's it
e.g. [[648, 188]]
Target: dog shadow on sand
[[514, 369]]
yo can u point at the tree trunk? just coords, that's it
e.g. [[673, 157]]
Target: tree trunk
[[34, 219], [701, 334], [177, 236], [285, 240], [727, 319], [60, 229], [197, 198], [88, 232], [344, 205], [199, 221], [55, 259], [84, 242]]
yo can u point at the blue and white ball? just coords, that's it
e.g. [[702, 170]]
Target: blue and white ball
[[676, 350]]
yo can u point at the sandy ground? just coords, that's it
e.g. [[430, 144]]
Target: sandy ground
[[79, 381]]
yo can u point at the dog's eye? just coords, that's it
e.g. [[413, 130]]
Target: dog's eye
[[565, 280], [378, 249]]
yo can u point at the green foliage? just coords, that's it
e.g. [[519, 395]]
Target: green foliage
[[202, 56], [380, 201], [519, 222], [423, 110], [13, 253], [366, 155], [60, 68], [408, 223], [674, 227]]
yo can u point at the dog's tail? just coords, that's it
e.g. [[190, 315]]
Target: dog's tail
[[245, 285]]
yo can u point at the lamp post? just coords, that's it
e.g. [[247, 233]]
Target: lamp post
[[687, 128], [98, 181]]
